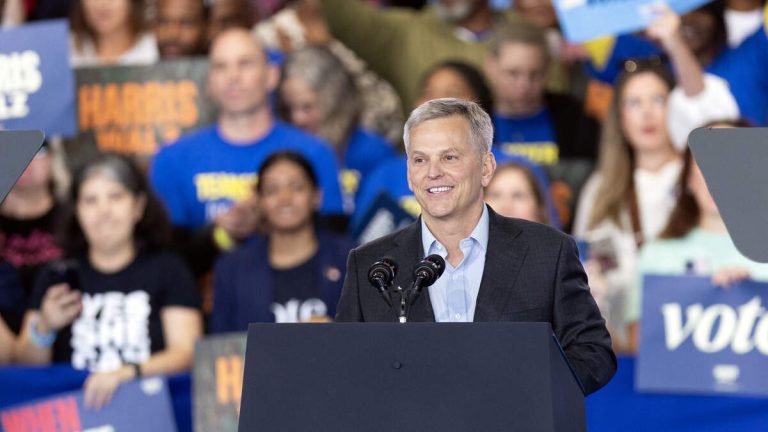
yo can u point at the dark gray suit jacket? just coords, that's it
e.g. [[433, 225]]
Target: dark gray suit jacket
[[532, 273]]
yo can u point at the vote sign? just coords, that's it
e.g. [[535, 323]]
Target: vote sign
[[696, 337]]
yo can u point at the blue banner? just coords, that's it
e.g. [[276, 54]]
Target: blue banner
[[384, 216], [583, 20], [37, 86], [142, 405], [696, 337]]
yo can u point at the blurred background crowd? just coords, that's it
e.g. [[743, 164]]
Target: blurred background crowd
[[119, 269]]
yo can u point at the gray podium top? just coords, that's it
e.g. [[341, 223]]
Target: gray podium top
[[734, 162], [17, 148]]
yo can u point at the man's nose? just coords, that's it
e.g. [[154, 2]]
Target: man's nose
[[435, 169]]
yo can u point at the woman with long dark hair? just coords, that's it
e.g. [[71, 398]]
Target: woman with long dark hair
[[120, 307], [695, 241], [292, 273]]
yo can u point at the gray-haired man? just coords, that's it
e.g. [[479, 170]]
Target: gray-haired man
[[497, 269]]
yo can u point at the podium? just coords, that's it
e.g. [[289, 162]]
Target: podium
[[494, 376]]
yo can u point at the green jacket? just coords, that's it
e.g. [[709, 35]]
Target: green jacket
[[401, 44]]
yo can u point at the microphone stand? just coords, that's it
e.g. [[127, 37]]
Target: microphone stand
[[407, 298], [403, 316]]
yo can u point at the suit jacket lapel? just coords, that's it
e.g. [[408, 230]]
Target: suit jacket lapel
[[409, 251], [503, 261]]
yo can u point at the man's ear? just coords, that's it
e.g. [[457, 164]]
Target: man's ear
[[408, 178], [489, 167]]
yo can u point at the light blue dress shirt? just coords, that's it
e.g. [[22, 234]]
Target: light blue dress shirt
[[454, 295]]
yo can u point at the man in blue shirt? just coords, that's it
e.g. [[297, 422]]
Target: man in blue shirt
[[528, 121], [206, 178], [496, 268]]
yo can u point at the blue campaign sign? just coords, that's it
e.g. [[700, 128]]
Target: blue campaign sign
[[384, 216], [696, 337], [37, 86], [143, 405], [583, 20]]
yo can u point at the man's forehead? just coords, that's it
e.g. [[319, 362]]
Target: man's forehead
[[235, 43]]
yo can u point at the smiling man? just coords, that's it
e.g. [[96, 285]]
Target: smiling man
[[497, 269]]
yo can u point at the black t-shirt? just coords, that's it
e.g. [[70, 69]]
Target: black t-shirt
[[120, 320], [296, 296], [25, 245]]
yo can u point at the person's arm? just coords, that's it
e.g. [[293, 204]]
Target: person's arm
[[12, 13], [59, 307], [181, 327], [666, 30], [6, 342], [578, 324], [373, 33]]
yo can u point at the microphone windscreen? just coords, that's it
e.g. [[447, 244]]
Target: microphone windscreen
[[439, 263]]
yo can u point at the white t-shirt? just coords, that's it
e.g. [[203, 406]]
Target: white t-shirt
[[143, 52], [741, 25], [656, 197]]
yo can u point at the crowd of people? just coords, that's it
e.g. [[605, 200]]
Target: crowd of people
[[247, 219]]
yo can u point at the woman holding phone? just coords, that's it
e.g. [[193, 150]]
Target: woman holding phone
[[119, 307]]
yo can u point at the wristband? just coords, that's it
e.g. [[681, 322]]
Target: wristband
[[42, 341], [222, 239]]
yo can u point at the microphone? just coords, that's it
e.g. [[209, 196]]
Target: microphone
[[381, 274], [427, 271]]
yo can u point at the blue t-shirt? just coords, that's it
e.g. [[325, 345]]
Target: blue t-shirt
[[202, 175], [742, 67], [530, 136], [365, 152]]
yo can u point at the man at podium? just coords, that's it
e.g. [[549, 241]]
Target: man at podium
[[496, 268]]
